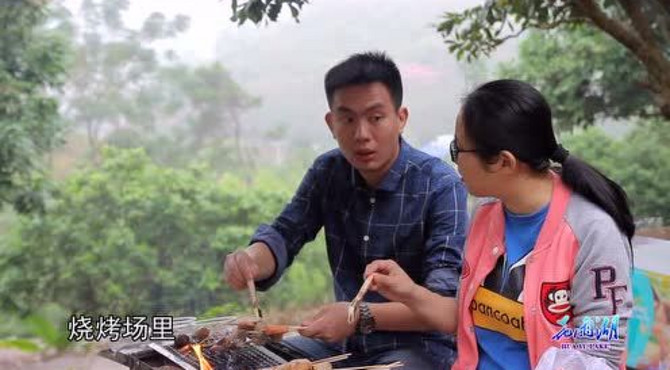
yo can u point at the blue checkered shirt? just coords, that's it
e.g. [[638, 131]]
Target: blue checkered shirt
[[416, 216]]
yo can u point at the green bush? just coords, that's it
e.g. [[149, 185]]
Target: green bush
[[132, 237], [640, 162]]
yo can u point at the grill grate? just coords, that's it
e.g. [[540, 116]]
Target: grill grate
[[152, 355], [247, 358]]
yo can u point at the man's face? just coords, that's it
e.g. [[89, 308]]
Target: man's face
[[367, 127]]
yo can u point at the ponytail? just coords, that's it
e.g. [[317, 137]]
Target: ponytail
[[600, 190]]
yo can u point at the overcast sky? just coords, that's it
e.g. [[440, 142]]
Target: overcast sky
[[283, 63]]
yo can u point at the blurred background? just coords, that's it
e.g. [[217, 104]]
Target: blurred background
[[141, 141]]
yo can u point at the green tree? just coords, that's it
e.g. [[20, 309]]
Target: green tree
[[121, 87], [264, 10], [199, 108], [642, 27], [129, 236], [585, 76], [207, 104], [639, 162], [111, 83], [33, 57]]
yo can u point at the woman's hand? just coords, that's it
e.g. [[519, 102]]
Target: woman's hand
[[391, 281]]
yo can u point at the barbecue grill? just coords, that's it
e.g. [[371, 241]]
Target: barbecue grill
[[162, 355]]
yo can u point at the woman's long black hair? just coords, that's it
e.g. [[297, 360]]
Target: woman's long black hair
[[512, 115]]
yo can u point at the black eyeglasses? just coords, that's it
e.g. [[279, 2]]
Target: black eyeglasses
[[454, 150]]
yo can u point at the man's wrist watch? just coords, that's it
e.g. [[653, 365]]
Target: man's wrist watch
[[366, 322]]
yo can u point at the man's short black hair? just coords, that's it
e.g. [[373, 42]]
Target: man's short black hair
[[364, 68]]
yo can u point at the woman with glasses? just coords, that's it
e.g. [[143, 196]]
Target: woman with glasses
[[548, 258]]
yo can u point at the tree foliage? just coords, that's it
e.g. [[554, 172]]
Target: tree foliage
[[199, 109], [111, 83], [264, 10], [208, 102], [640, 162], [642, 27], [585, 76], [125, 91], [33, 58], [134, 237]]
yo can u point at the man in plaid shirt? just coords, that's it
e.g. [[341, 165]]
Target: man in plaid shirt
[[376, 198]]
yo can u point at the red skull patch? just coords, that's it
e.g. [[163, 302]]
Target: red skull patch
[[555, 302]]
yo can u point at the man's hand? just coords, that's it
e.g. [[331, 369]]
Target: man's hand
[[391, 281], [330, 323], [239, 268]]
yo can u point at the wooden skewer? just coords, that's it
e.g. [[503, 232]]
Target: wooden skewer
[[372, 367], [295, 327], [341, 357], [254, 299], [279, 329], [271, 329], [353, 305], [244, 319], [344, 357]]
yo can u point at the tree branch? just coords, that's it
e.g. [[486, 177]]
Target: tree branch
[[611, 26], [640, 21], [551, 25], [647, 85], [647, 52], [510, 36], [665, 4], [661, 10]]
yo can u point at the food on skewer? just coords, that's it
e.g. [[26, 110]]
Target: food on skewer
[[247, 332], [258, 328], [182, 340], [182, 343], [201, 334], [247, 324], [304, 364]]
